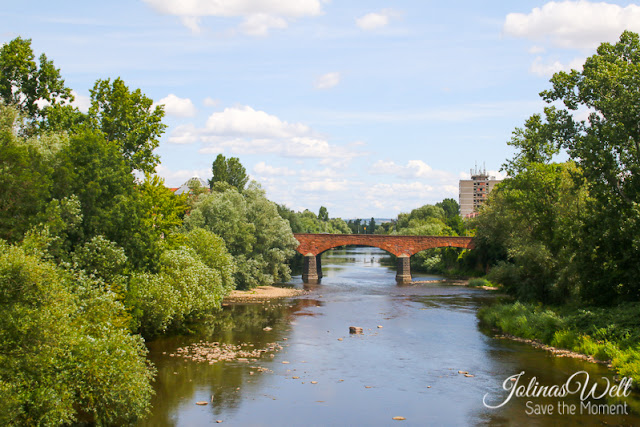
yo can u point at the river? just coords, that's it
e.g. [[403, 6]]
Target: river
[[407, 368]]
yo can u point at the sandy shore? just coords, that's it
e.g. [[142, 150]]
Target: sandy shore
[[262, 293]]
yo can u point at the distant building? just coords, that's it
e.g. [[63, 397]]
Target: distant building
[[474, 191], [192, 182]]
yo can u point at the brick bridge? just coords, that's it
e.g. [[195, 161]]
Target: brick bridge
[[313, 245]]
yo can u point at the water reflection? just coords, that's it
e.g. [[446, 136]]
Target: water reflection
[[407, 367]]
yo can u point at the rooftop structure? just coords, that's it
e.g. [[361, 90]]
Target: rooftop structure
[[185, 188], [474, 191]]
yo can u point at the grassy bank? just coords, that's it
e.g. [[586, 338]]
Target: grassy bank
[[608, 334]]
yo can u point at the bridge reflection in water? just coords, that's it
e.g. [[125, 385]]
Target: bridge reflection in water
[[403, 247]]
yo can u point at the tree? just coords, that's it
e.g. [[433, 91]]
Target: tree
[[111, 204], [323, 214], [450, 207], [230, 171], [259, 239], [372, 226], [126, 118], [66, 356], [527, 230], [24, 178], [27, 86], [606, 148], [292, 217], [451, 210]]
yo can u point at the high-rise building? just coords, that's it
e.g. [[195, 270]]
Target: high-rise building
[[474, 191]]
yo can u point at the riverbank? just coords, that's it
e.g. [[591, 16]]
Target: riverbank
[[457, 282], [606, 335], [261, 293]]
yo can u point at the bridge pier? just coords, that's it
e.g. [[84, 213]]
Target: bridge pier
[[310, 269], [319, 265], [403, 273]]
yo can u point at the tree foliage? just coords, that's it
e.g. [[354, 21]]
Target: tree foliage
[[323, 214], [230, 171], [128, 120], [25, 179], [260, 240], [28, 86], [528, 227], [65, 353], [597, 218]]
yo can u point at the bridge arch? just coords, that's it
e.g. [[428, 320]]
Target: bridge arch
[[403, 247]]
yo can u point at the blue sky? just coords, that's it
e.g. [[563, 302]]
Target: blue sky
[[369, 108]]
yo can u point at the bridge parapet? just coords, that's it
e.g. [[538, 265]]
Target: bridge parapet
[[403, 247], [315, 244]]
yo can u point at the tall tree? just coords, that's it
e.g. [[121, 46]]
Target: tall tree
[[24, 178], [372, 226], [323, 214], [26, 85], [606, 147], [230, 171], [127, 119]]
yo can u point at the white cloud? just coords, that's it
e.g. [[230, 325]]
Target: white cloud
[[497, 174], [374, 21], [328, 185], [264, 169], [539, 68], [247, 121], [243, 130], [259, 15], [414, 169], [210, 102], [81, 102], [327, 81], [176, 106], [176, 178], [260, 24], [574, 24]]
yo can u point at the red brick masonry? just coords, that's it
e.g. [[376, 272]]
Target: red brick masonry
[[315, 244]]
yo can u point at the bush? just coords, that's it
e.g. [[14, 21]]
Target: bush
[[479, 281], [605, 334], [67, 356]]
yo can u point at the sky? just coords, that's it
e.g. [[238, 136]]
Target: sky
[[369, 108]]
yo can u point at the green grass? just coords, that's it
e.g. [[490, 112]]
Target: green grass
[[607, 334], [480, 281]]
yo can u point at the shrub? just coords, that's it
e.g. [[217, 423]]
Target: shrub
[[67, 357], [478, 281]]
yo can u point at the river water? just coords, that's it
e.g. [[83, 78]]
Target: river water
[[407, 368]]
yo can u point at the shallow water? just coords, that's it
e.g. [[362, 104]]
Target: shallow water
[[407, 368]]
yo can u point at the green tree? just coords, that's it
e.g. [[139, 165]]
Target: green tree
[[24, 178], [338, 226], [162, 210], [451, 210], [29, 86], [94, 170], [292, 217], [527, 228], [230, 171], [259, 239], [323, 214], [372, 226], [126, 118], [450, 207], [606, 148], [66, 357]]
